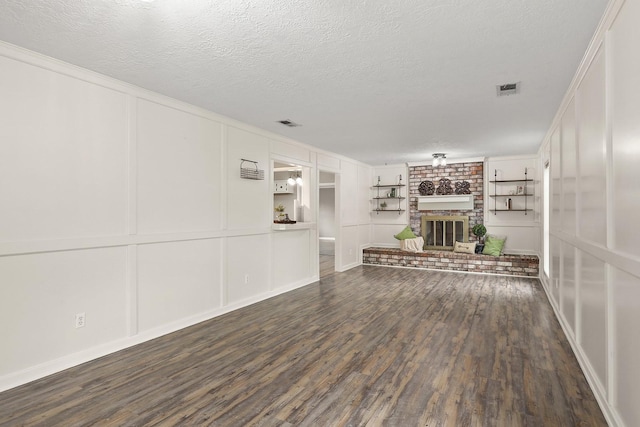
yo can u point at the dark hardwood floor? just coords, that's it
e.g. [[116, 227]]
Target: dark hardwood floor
[[371, 346]]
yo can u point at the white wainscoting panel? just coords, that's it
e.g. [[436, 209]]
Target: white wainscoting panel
[[555, 222], [248, 267], [178, 170], [350, 247], [556, 256], [177, 280], [569, 154], [593, 314], [626, 318], [327, 162], [625, 100], [592, 151], [294, 152], [568, 286], [63, 156], [364, 238], [348, 193], [363, 194], [291, 261], [248, 200], [41, 294]]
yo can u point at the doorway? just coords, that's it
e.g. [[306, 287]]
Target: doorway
[[327, 222]]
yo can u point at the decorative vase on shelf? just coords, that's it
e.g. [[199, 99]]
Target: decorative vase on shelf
[[280, 215]]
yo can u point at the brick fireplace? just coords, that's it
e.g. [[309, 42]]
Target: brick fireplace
[[472, 172]]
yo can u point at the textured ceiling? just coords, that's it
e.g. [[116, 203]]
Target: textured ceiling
[[378, 81]]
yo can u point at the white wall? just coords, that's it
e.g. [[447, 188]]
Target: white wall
[[384, 225], [326, 212], [129, 206], [522, 231], [594, 150], [353, 233]]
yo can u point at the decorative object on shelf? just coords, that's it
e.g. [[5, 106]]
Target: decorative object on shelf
[[280, 213], [251, 173], [444, 187], [519, 192], [439, 159], [285, 221], [463, 187], [389, 192], [426, 188]]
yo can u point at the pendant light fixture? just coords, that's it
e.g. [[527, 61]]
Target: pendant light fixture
[[439, 159]]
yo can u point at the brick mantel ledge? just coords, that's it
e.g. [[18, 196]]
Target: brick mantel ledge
[[513, 265]]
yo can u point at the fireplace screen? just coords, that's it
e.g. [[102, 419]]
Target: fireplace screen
[[441, 232]]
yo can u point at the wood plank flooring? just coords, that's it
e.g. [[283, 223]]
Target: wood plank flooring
[[372, 346]]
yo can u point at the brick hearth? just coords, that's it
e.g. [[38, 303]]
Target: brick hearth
[[513, 265]]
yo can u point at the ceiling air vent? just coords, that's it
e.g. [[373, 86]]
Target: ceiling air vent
[[508, 89], [289, 123]]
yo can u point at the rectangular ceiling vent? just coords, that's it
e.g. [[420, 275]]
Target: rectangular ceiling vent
[[508, 89], [289, 123]]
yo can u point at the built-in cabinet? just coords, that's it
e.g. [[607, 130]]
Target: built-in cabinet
[[512, 195]]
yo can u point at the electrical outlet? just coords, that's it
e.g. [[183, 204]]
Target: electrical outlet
[[80, 320], [246, 279]]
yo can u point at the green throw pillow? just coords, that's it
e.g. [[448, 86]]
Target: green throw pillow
[[407, 233], [493, 246]]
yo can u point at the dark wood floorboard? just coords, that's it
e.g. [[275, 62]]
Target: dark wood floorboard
[[373, 346]]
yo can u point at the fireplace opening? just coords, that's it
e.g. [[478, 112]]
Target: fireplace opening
[[441, 232]]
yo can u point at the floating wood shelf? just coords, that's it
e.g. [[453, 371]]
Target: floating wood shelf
[[510, 195], [495, 194], [392, 198], [510, 210]]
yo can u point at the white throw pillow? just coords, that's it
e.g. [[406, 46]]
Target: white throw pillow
[[465, 248]]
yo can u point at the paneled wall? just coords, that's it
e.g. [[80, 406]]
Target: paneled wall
[[384, 225], [522, 231], [129, 207], [594, 149], [353, 234]]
